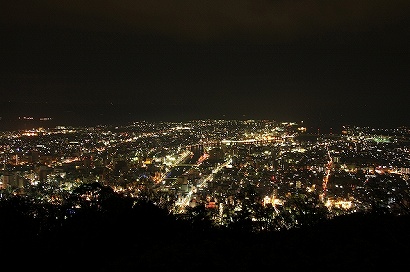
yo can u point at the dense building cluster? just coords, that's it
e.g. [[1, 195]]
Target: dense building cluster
[[273, 175]]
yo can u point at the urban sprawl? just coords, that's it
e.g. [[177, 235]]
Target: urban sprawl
[[275, 174]]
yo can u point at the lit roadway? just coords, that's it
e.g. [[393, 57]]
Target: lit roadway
[[181, 158], [180, 205], [327, 175]]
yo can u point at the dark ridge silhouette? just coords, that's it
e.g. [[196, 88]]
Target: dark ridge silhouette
[[116, 233]]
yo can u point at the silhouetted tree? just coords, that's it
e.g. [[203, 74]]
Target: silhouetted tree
[[305, 210], [200, 217], [242, 220]]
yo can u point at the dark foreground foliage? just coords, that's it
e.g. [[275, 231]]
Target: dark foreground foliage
[[121, 234]]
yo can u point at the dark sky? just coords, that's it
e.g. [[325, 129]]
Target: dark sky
[[319, 61]]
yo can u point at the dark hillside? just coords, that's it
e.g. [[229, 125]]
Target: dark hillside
[[145, 237]]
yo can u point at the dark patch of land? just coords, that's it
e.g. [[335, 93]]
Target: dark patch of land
[[147, 238]]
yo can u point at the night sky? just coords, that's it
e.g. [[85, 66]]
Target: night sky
[[324, 62]]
